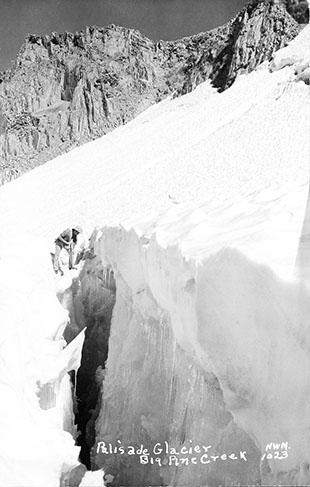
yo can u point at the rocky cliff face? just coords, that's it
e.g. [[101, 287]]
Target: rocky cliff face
[[67, 89], [298, 9], [256, 33]]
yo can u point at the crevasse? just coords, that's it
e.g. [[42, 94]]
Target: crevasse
[[208, 346], [208, 337]]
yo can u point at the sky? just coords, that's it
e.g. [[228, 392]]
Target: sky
[[157, 19]]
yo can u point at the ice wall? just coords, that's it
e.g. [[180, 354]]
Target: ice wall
[[209, 347], [200, 146], [36, 418]]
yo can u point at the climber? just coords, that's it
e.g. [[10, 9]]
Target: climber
[[66, 240]]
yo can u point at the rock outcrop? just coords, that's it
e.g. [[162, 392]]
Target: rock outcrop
[[298, 9], [66, 89], [256, 33]]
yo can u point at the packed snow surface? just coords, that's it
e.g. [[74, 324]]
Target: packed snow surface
[[217, 180]]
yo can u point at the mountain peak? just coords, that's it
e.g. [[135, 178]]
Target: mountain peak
[[66, 89]]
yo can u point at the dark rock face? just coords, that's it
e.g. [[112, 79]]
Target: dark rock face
[[256, 33], [67, 89], [298, 9]]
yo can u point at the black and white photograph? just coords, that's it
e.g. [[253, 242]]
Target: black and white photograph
[[154, 243]]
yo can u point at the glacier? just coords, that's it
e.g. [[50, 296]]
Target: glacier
[[197, 215], [221, 321]]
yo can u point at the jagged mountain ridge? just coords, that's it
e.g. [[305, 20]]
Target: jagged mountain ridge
[[298, 9], [67, 89]]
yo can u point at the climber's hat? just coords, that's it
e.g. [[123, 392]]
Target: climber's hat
[[78, 229]]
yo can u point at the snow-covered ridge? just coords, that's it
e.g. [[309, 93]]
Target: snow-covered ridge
[[210, 191]]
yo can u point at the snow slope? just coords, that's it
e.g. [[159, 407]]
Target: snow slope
[[219, 183]]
